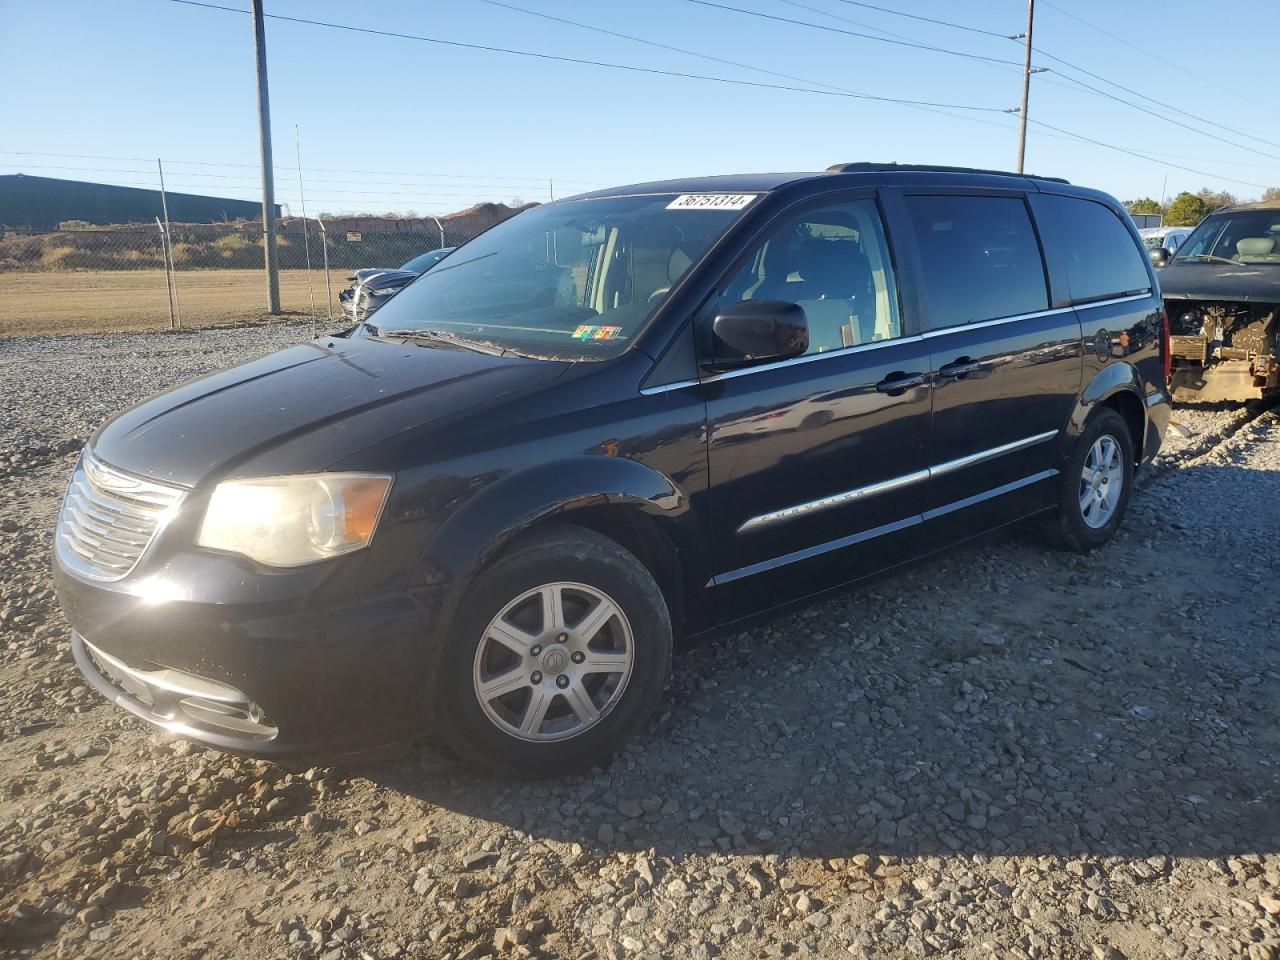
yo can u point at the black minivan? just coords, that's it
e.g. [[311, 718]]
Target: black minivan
[[611, 422]]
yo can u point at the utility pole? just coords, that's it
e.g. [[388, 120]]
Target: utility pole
[[268, 175], [1026, 84], [175, 308]]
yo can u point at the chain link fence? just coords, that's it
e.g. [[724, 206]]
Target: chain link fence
[[83, 277]]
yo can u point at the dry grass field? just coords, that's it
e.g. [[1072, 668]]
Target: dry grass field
[[109, 300]]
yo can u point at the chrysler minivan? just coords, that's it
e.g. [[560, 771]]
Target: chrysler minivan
[[607, 425]]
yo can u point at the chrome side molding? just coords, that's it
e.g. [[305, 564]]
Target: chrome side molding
[[819, 549], [894, 483]]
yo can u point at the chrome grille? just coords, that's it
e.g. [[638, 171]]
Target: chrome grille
[[109, 518]]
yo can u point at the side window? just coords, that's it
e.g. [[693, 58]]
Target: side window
[[980, 257], [834, 262], [1101, 258]]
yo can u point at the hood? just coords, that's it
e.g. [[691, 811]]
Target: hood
[[1206, 280], [300, 409], [374, 280]]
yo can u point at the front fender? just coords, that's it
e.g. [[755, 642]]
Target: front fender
[[481, 526]]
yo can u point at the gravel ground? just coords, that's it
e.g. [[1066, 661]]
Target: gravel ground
[[1005, 752]]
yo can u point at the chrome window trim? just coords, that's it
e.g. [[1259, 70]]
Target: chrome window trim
[[983, 324], [914, 338], [810, 357], [665, 387], [1086, 304], [893, 483]]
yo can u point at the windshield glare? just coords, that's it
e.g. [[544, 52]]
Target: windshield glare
[[422, 261], [1248, 236], [575, 279]]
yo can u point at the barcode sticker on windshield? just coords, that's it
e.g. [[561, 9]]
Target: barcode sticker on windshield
[[711, 201]]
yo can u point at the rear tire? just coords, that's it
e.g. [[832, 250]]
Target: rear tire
[[1094, 489], [558, 655]]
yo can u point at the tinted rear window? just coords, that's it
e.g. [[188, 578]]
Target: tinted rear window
[[1100, 256], [980, 256]]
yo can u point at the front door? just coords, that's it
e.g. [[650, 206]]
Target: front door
[[817, 463], [1006, 366]]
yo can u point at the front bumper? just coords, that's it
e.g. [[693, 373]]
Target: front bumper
[[280, 678]]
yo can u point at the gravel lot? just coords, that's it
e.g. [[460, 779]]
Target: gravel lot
[[1004, 752]]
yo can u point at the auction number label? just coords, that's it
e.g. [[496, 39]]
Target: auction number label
[[711, 201]]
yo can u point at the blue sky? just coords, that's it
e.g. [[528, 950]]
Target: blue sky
[[434, 128]]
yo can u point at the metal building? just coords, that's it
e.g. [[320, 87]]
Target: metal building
[[41, 203]]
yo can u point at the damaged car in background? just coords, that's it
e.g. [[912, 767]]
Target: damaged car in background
[[374, 286], [1222, 293]]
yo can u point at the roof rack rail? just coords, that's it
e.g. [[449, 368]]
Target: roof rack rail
[[929, 168]]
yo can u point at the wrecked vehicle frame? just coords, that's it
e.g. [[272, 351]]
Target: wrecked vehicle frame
[[1222, 293]]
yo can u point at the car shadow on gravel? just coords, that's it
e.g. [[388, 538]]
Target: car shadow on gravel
[[1001, 699]]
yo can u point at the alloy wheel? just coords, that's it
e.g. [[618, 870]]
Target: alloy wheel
[[1101, 481], [553, 662]]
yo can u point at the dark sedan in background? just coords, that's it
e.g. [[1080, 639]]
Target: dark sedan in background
[[374, 286]]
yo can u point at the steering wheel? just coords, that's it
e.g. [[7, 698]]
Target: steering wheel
[[660, 292]]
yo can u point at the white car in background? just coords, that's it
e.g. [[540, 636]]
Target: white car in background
[[1163, 242]]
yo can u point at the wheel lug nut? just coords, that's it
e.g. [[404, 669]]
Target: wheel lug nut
[[578, 656], [534, 650], [562, 681], [562, 638], [537, 677]]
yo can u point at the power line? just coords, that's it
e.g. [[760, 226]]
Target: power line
[[655, 43], [840, 92], [1155, 56], [245, 176], [632, 68], [1168, 106], [212, 163], [694, 53], [735, 63], [1142, 156], [902, 36], [1103, 93], [852, 33], [941, 23], [1072, 66], [1177, 123]]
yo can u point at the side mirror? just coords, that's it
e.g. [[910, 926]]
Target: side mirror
[[757, 331], [1159, 256]]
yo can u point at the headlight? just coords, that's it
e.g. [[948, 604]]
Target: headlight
[[291, 521], [383, 291]]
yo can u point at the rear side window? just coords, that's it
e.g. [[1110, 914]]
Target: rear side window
[[980, 256], [1100, 256]]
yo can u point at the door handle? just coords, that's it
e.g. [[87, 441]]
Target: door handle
[[959, 368], [898, 382]]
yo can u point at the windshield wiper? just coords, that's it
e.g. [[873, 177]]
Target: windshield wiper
[[1210, 256], [444, 337]]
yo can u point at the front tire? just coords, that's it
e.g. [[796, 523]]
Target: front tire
[[1095, 486], [557, 656]]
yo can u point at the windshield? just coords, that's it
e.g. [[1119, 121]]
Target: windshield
[[1153, 242], [1247, 236], [424, 261], [575, 279]]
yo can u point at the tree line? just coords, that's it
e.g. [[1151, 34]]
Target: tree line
[[1188, 209]]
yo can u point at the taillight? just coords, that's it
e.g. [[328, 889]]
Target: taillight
[[1166, 353]]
